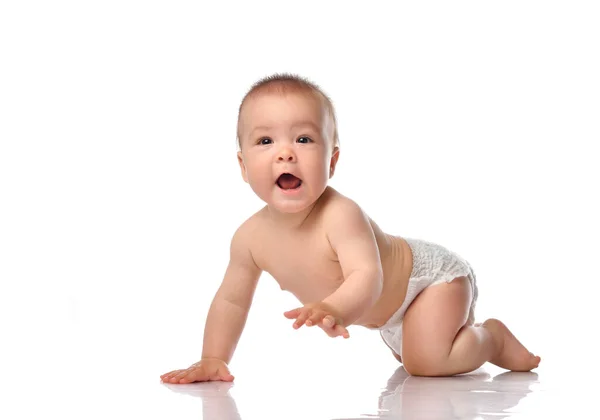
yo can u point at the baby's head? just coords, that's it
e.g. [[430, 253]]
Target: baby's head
[[288, 143], [287, 84]]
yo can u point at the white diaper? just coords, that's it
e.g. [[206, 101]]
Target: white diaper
[[432, 264]]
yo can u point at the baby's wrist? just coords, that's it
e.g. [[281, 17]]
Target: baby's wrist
[[209, 359], [341, 317]]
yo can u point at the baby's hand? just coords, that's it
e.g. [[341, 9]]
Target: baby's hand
[[318, 314], [202, 371]]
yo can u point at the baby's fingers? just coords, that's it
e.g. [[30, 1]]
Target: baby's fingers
[[329, 321], [335, 331], [293, 313], [224, 375], [175, 376], [182, 377], [193, 375], [341, 330], [315, 319], [167, 376], [302, 318]]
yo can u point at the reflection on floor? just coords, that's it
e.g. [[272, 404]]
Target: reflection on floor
[[472, 396]]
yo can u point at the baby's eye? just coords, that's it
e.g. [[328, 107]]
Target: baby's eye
[[265, 140], [304, 139]]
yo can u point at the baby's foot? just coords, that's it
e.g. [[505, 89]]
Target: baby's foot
[[512, 354]]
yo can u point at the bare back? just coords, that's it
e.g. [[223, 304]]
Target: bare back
[[303, 262]]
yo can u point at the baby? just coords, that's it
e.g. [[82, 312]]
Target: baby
[[320, 246]]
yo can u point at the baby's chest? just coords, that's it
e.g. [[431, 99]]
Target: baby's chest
[[308, 270]]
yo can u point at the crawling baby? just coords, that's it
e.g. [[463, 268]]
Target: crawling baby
[[321, 246]]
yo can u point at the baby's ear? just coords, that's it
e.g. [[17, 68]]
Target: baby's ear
[[334, 158], [242, 166]]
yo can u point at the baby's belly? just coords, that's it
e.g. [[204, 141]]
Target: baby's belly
[[397, 267], [313, 287]]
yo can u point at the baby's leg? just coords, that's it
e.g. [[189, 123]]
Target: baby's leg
[[437, 342]]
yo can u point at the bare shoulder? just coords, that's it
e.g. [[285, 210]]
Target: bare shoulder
[[242, 242], [339, 210], [345, 221], [250, 226], [350, 234]]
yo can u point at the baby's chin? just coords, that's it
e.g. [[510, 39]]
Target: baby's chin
[[289, 204], [289, 207]]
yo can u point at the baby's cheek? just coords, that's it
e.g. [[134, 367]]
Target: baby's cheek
[[318, 175], [259, 182]]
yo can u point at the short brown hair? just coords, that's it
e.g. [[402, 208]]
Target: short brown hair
[[289, 83]]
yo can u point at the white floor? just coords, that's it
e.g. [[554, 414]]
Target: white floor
[[110, 369]]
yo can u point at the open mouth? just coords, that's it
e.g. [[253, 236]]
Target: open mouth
[[288, 182]]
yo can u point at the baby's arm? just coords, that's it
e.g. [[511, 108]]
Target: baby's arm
[[226, 317], [351, 237], [229, 309]]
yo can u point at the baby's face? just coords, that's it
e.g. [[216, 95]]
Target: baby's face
[[286, 134]]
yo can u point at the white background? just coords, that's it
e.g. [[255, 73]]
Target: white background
[[472, 124]]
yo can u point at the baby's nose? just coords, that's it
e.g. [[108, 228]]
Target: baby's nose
[[287, 155]]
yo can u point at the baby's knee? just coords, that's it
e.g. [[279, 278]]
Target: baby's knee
[[424, 370], [425, 365]]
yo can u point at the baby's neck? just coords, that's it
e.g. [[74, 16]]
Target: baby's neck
[[290, 221], [294, 221]]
